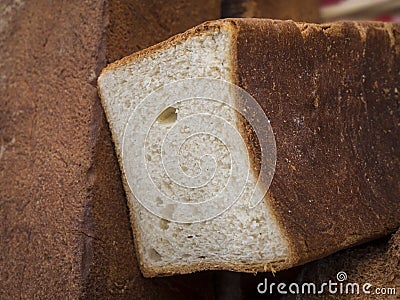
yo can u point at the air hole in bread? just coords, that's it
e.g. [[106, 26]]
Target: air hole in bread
[[164, 224], [154, 255], [168, 116]]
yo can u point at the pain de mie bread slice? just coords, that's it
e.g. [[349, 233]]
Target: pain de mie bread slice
[[331, 95]]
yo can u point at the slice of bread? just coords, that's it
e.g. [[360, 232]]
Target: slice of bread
[[330, 92]]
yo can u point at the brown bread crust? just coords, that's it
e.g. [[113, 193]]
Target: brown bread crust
[[330, 92]]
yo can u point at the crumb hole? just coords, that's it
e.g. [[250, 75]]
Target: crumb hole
[[154, 255], [164, 224], [168, 116]]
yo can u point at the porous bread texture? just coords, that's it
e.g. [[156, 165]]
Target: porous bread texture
[[242, 238]]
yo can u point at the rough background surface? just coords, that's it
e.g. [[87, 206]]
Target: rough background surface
[[65, 227], [49, 62], [305, 10]]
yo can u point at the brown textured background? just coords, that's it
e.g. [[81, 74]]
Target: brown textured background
[[48, 93], [59, 196], [304, 10], [58, 189], [64, 223]]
